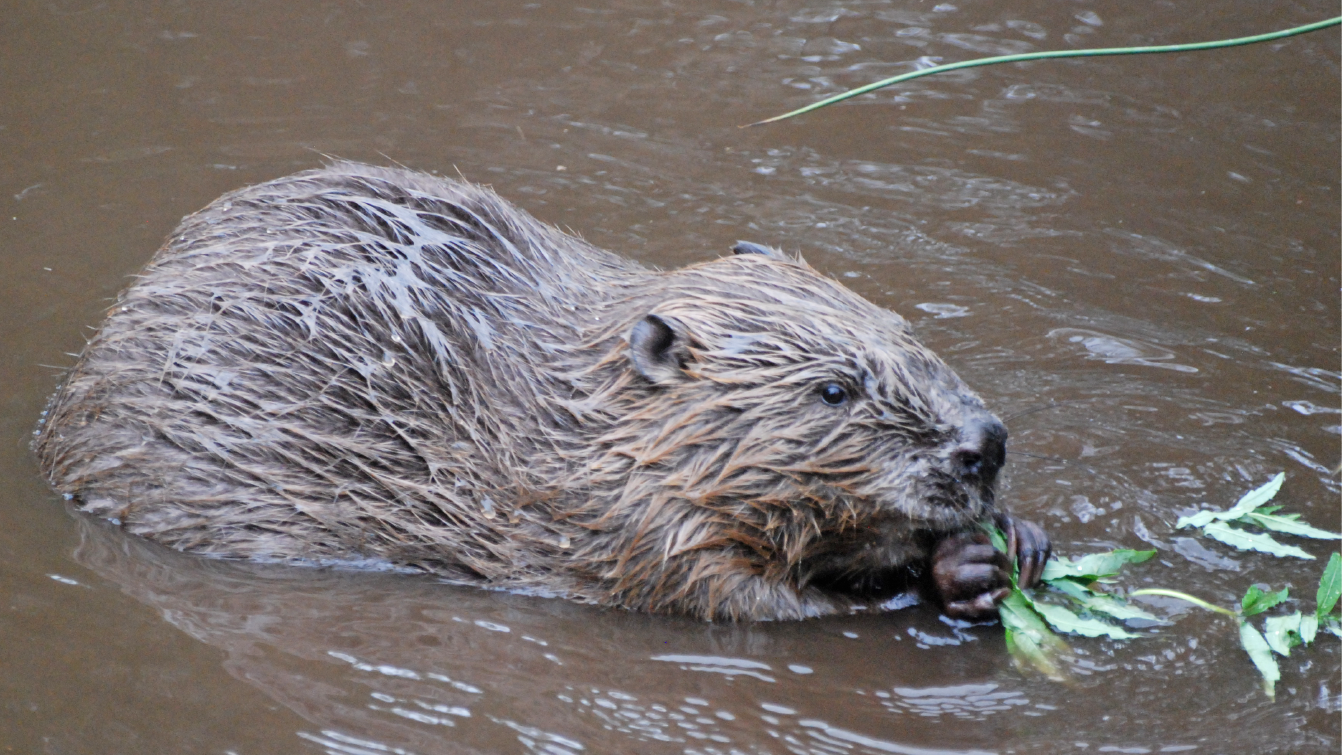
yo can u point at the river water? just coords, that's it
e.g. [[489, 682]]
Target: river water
[[1135, 258]]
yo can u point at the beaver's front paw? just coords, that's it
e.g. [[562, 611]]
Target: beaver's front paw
[[970, 576]]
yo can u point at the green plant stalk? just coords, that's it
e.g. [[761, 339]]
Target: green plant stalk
[[1186, 597], [1095, 52]]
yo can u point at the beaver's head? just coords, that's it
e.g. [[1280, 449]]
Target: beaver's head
[[772, 412]]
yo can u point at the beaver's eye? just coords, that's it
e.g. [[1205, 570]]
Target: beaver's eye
[[833, 394]]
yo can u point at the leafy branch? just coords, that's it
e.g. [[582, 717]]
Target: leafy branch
[[1280, 633], [1216, 524], [1030, 620]]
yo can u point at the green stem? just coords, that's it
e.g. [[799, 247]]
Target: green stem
[[1057, 54], [1185, 596]]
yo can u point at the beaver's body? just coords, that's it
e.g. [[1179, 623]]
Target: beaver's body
[[359, 362]]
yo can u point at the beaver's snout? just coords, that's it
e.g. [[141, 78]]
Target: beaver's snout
[[982, 450]]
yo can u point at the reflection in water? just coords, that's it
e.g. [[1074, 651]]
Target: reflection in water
[[393, 663], [943, 310], [1193, 550], [968, 701], [1136, 244], [1309, 407], [1114, 350]]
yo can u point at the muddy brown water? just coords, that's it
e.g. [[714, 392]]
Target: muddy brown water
[[1137, 256]]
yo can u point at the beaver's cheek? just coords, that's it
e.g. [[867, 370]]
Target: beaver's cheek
[[910, 487]]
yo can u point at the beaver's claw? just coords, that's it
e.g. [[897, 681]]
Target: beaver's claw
[[971, 576], [1028, 545]]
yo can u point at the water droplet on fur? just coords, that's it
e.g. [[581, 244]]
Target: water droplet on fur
[[564, 541], [487, 504]]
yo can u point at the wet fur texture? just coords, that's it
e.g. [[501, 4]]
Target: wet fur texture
[[359, 362]]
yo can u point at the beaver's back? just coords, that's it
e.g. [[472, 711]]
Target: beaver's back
[[333, 363]]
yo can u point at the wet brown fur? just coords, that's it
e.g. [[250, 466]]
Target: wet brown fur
[[359, 362]]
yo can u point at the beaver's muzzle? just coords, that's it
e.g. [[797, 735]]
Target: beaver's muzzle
[[981, 452]]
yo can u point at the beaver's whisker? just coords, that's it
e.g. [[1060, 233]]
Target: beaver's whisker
[[1033, 410]]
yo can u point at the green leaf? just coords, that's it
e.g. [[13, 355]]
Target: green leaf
[[1028, 638], [1257, 497], [1283, 633], [1094, 565], [1200, 519], [998, 539], [1333, 627], [1251, 541], [1248, 502], [1330, 586], [1289, 525], [1064, 620], [1309, 627], [1018, 614], [1101, 603], [1261, 655], [1256, 601]]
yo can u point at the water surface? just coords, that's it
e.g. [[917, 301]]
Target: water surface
[[1138, 258]]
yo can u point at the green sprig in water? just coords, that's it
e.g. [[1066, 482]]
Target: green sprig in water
[[1281, 633], [1022, 57], [1030, 622], [1250, 511]]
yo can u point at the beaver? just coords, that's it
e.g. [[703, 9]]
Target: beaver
[[364, 364]]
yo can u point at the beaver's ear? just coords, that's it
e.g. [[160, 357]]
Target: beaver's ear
[[746, 247], [659, 347]]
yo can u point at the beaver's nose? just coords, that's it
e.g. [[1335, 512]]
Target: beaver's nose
[[982, 448]]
